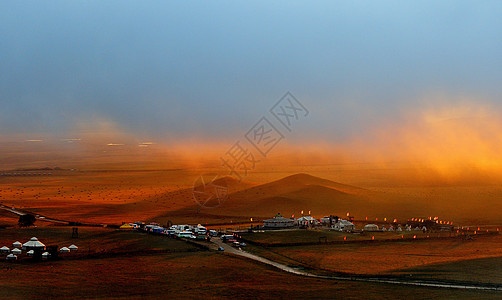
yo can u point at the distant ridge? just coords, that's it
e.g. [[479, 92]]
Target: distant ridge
[[290, 195], [307, 179]]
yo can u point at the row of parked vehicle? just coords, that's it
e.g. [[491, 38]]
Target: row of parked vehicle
[[231, 239], [198, 232]]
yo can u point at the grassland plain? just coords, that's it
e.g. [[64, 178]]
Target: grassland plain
[[196, 275], [462, 256], [116, 196], [119, 264]]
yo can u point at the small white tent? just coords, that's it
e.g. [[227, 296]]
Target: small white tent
[[17, 244], [11, 257], [64, 250], [4, 249], [73, 248], [46, 255], [30, 253], [370, 227], [16, 251]]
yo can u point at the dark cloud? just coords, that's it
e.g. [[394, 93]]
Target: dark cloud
[[185, 69]]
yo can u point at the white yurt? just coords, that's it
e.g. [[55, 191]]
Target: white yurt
[[11, 257], [46, 255], [73, 248], [391, 228], [64, 250], [17, 244], [399, 228], [30, 253], [16, 251], [33, 243], [383, 228], [4, 249], [370, 227]]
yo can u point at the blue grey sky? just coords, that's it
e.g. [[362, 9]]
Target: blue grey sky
[[172, 69]]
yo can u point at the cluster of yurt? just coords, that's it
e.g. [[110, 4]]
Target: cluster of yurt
[[16, 251], [391, 228], [69, 249], [31, 247]]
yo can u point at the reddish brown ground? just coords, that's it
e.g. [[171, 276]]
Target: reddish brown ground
[[187, 275], [117, 196], [376, 258]]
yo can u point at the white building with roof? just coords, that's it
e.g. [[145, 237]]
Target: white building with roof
[[306, 221], [343, 225], [279, 222], [33, 244]]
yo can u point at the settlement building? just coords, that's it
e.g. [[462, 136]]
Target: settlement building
[[344, 225], [279, 222], [306, 221]]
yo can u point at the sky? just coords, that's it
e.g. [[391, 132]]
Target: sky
[[171, 71]]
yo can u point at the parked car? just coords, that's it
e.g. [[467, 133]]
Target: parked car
[[228, 238], [201, 237], [186, 234]]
